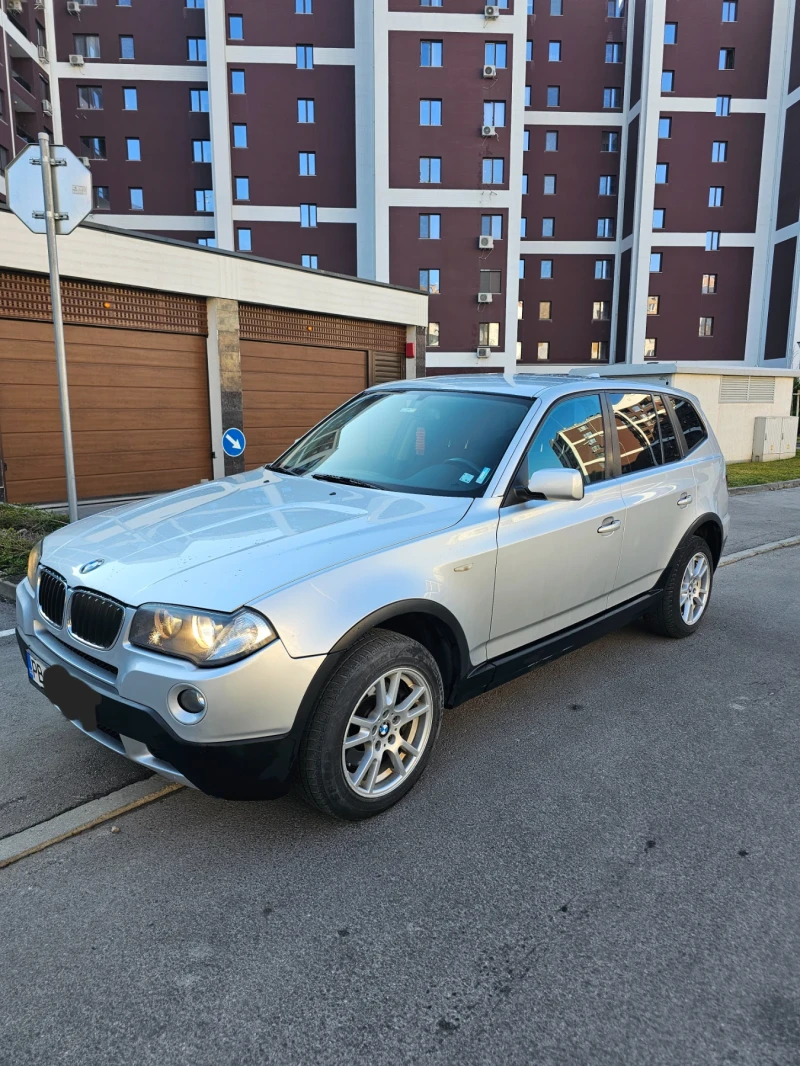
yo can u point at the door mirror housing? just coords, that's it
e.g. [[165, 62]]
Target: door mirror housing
[[553, 485]]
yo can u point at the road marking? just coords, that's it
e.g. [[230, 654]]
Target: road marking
[[7, 633], [87, 816], [760, 549]]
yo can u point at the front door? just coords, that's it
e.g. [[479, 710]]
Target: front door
[[557, 559]]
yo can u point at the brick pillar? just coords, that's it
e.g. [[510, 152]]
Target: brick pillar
[[422, 336], [224, 381]]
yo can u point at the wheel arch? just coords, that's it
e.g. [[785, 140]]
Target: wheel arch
[[709, 527]]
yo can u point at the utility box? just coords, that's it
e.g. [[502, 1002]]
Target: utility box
[[774, 437]]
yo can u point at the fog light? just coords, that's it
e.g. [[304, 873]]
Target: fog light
[[192, 701]]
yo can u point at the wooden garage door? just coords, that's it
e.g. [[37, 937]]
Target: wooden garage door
[[139, 403], [287, 388]]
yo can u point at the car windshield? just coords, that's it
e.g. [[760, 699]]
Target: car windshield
[[425, 441]]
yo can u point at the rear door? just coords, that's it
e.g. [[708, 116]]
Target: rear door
[[658, 490]]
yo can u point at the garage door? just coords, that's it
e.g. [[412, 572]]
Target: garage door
[[139, 402], [287, 388]]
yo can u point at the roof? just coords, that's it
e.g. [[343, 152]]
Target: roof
[[526, 385]]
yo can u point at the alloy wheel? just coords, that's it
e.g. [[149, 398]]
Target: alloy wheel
[[695, 588]]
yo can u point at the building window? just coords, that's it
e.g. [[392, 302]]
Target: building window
[[244, 240], [656, 262], [553, 95], [665, 128], [430, 3], [523, 227], [430, 227], [543, 350], [606, 227], [198, 99], [206, 242], [520, 310], [238, 82], [101, 200], [604, 269], [709, 286], [712, 240], [601, 310], [723, 108], [86, 45], [133, 149], [554, 52], [650, 347], [492, 172], [670, 33], [430, 53], [548, 227], [196, 49], [727, 58], [545, 310], [201, 151], [305, 110], [613, 53], [526, 140], [730, 10], [432, 337], [653, 304], [196, 3], [551, 141], [612, 98], [659, 218], [235, 28], [495, 54], [136, 199], [90, 97], [308, 164], [529, 51], [311, 262], [241, 188], [549, 185], [668, 81], [524, 184], [706, 327], [600, 351], [491, 281], [430, 169], [715, 195], [93, 147], [204, 199], [546, 269], [489, 334], [609, 141], [308, 215], [305, 56], [662, 173], [608, 185], [303, 7], [429, 281], [719, 152], [239, 135], [615, 9], [492, 226], [521, 269], [556, 7], [494, 113], [430, 112]]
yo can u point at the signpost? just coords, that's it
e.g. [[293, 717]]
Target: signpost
[[55, 205]]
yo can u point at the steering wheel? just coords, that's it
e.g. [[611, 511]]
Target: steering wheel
[[464, 462]]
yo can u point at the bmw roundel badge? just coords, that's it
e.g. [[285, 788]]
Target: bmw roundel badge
[[93, 565]]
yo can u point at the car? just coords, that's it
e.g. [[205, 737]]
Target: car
[[308, 621]]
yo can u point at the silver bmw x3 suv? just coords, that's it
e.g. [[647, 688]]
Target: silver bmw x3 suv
[[427, 541]]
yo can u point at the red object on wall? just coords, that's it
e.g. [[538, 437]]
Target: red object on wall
[[410, 350]]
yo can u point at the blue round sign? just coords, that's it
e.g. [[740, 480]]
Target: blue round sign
[[233, 442]]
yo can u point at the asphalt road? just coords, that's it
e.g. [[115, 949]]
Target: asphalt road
[[601, 866]]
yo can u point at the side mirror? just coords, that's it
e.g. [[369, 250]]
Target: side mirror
[[553, 485]]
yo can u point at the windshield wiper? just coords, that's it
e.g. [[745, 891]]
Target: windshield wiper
[[344, 480]]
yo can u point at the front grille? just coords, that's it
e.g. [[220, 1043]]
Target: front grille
[[52, 593], [109, 669], [94, 619]]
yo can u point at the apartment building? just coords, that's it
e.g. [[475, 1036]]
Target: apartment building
[[572, 181]]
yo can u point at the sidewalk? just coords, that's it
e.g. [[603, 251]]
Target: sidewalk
[[762, 518]]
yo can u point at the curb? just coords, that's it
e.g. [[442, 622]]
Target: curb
[[8, 589], [760, 549], [767, 486]]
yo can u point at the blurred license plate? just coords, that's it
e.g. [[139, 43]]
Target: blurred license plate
[[36, 670]]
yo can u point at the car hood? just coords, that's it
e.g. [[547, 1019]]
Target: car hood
[[233, 541]]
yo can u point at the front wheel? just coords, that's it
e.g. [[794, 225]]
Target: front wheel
[[687, 592], [373, 730]]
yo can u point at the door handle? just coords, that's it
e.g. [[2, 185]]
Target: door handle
[[685, 500], [609, 526]]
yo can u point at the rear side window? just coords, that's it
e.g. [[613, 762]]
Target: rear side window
[[694, 431], [636, 421], [572, 436], [669, 441]]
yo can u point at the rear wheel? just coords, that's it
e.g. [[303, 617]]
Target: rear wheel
[[687, 592], [373, 731]]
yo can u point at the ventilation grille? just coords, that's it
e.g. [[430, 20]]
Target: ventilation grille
[[299, 327], [747, 390], [385, 366], [94, 619], [52, 593]]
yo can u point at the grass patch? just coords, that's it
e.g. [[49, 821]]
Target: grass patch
[[762, 473], [20, 528]]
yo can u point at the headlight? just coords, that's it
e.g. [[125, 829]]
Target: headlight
[[207, 638], [33, 563]]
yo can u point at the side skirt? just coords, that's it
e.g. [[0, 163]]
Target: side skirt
[[516, 663]]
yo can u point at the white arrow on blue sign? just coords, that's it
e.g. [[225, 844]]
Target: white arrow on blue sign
[[233, 442]]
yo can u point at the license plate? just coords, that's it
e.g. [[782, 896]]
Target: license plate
[[36, 670]]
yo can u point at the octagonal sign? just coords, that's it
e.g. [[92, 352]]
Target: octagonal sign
[[72, 188]]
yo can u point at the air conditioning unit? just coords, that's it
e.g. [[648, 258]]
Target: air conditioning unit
[[47, 107], [43, 54], [484, 297], [73, 7], [485, 242], [14, 5], [489, 131], [85, 160], [491, 11], [76, 61], [490, 71], [484, 353]]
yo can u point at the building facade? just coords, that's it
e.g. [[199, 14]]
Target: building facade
[[572, 181]]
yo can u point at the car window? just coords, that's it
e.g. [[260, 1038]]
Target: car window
[[636, 421], [694, 432], [669, 441], [572, 435]]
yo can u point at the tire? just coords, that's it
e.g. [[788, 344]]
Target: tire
[[671, 617], [377, 768]]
